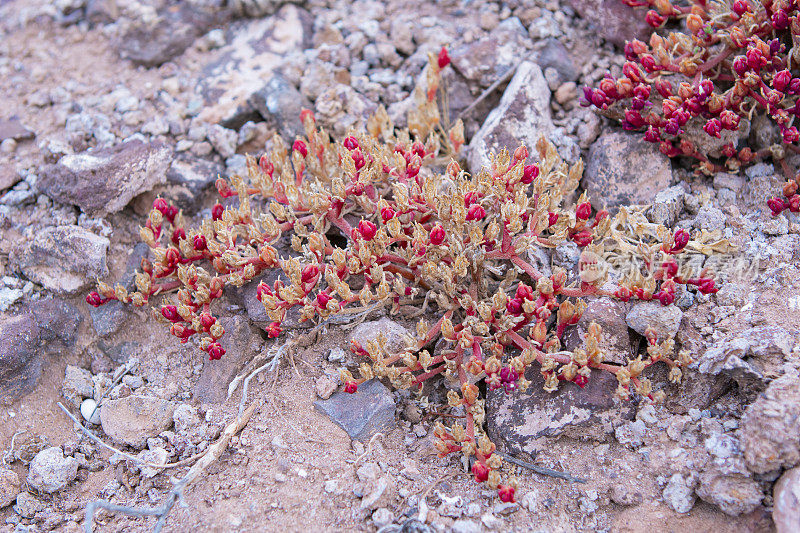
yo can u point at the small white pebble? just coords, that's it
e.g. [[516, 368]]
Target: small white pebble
[[89, 411]]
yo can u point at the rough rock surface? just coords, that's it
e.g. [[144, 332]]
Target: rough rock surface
[[665, 320], [64, 259], [522, 117], [770, 431], [248, 62], [678, 494], [786, 506], [20, 359], [609, 314], [489, 58], [734, 494], [516, 421], [9, 486], [615, 21], [51, 471], [133, 419], [393, 332], [368, 411], [105, 180], [616, 167]]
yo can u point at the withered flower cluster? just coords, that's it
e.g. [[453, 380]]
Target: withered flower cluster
[[422, 237], [726, 62]]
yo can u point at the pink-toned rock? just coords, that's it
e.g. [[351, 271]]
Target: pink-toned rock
[[615, 21]]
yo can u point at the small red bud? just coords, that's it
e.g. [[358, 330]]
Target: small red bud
[[351, 143], [476, 212], [583, 211], [215, 351], [216, 212], [654, 19], [170, 312], [480, 471], [387, 214], [530, 173], [437, 235], [322, 300], [444, 59], [199, 242], [95, 300], [309, 273], [274, 329], [367, 230], [300, 146], [506, 494], [351, 387], [680, 240]]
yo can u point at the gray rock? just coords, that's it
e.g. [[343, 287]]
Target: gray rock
[[241, 342], [133, 419], [325, 387], [153, 42], [517, 421], [770, 428], [20, 357], [185, 418], [489, 58], [77, 385], [57, 319], [466, 526], [8, 176], [609, 314], [257, 8], [190, 178], [9, 487], [109, 317], [522, 117], [28, 505], [631, 433], [712, 146], [223, 140], [709, 218], [368, 411], [63, 259], [394, 333], [9, 297], [615, 21], [749, 355], [786, 498], [280, 104], [382, 517], [623, 169], [733, 494], [667, 205], [723, 180], [250, 58], [678, 495], [105, 180], [50, 471], [665, 320], [13, 129], [555, 55]]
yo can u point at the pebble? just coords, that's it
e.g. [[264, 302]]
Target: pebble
[[678, 495], [50, 471], [9, 486], [325, 387], [8, 146], [89, 411]]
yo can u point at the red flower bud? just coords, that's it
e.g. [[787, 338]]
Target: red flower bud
[[207, 321], [358, 158], [437, 235], [740, 7], [790, 135], [274, 329], [309, 273], [95, 300], [300, 146], [740, 65], [351, 143], [680, 240], [506, 494], [524, 292], [170, 312], [367, 230], [713, 127], [159, 204], [654, 19], [178, 235], [583, 211], [530, 173], [387, 214], [351, 387], [444, 59], [580, 380], [262, 289], [215, 351], [776, 205], [514, 306], [322, 300], [476, 212], [729, 120], [552, 218], [781, 80], [780, 20], [216, 212], [480, 471], [199, 242]]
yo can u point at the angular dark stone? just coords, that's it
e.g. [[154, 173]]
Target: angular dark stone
[[105, 180], [8, 176], [193, 177], [241, 342], [516, 421], [175, 29], [368, 411], [64, 259], [615, 21], [486, 60], [13, 129], [623, 169], [555, 55], [255, 52], [20, 359], [280, 104], [56, 319]]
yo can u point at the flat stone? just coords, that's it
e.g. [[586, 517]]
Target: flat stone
[[609, 314], [20, 359], [133, 419], [368, 411], [153, 42], [9, 487], [8, 176], [50, 471], [678, 495], [394, 333], [522, 117], [241, 343], [517, 421], [615, 21], [733, 494], [190, 177], [28, 505], [487, 59], [63, 259], [57, 319], [786, 502], [279, 103], [255, 51], [770, 427], [78, 385], [555, 55], [623, 169], [13, 129], [105, 180], [667, 205], [664, 319]]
